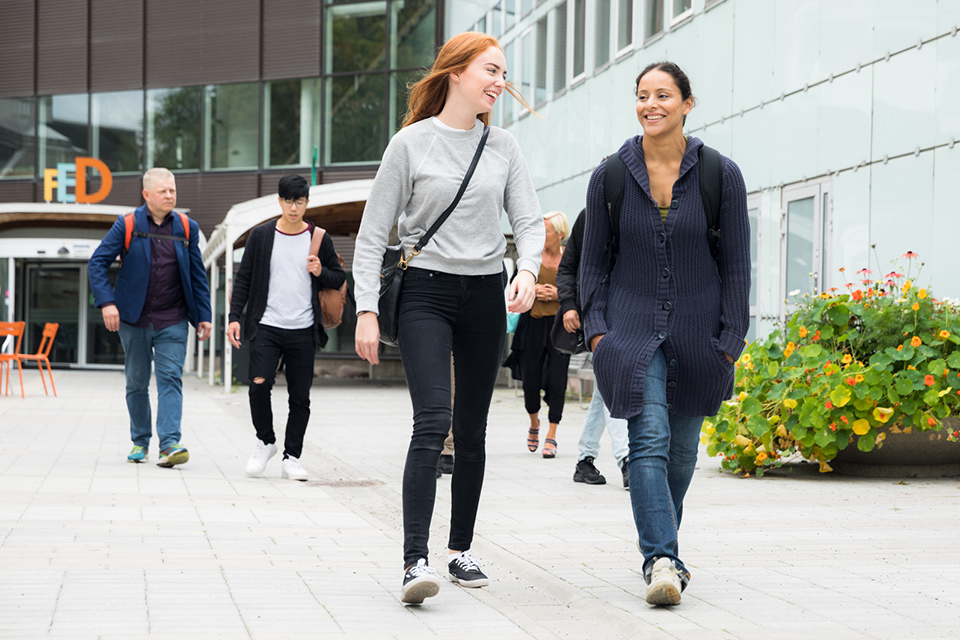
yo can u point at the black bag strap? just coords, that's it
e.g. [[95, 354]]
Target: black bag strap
[[143, 234], [711, 183], [425, 238], [613, 185]]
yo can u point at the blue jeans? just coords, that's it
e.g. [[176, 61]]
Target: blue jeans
[[167, 348], [663, 456], [593, 423]]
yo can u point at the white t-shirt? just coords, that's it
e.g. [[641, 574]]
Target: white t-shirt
[[288, 297]]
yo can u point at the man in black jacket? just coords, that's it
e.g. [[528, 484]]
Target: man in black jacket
[[597, 415], [279, 282]]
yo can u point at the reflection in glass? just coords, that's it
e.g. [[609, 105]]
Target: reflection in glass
[[400, 96], [496, 20], [541, 93], [525, 6], [510, 13], [681, 6], [654, 21], [579, 34], [508, 106], [17, 155], [231, 130], [824, 242], [624, 24], [173, 128], [63, 129], [291, 122], [754, 256], [800, 245], [103, 347], [356, 37], [602, 33], [414, 33], [560, 48], [116, 119], [527, 65], [355, 119], [54, 296]]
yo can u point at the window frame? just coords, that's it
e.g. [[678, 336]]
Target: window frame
[[649, 37], [680, 17], [821, 190], [574, 77], [631, 28]]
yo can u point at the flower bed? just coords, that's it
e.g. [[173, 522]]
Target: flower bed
[[848, 369]]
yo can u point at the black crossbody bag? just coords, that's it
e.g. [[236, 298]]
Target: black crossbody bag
[[395, 264]]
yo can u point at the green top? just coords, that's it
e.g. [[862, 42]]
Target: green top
[[663, 212]]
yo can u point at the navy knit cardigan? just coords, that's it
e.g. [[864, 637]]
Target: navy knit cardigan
[[666, 290]]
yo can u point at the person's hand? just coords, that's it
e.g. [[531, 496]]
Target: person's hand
[[204, 329], [367, 337], [313, 265], [547, 293], [571, 320], [522, 292], [111, 317], [595, 341], [233, 334], [728, 357]]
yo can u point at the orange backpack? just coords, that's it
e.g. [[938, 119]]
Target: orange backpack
[[128, 223], [332, 301]]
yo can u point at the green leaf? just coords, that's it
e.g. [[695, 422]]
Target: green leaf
[[866, 442], [773, 369], [936, 367], [904, 386], [774, 351], [863, 404], [823, 438], [750, 406], [830, 451], [931, 397], [826, 332], [893, 396], [881, 359], [909, 407], [954, 359], [839, 315], [810, 351], [758, 425]]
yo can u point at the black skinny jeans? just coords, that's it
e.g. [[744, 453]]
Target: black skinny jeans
[[442, 313], [297, 348], [543, 366]]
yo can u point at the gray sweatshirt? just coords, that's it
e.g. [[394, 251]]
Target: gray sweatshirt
[[420, 173]]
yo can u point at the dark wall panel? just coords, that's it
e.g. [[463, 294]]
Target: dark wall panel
[[62, 47], [341, 175], [268, 181], [214, 196], [116, 45], [291, 38], [174, 41], [125, 193], [231, 40], [17, 191], [16, 48]]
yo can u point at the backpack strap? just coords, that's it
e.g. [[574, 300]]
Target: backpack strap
[[613, 184], [185, 222], [128, 227], [128, 222], [316, 239], [711, 183]]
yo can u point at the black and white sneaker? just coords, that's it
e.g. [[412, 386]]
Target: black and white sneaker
[[465, 570], [587, 472], [419, 583]]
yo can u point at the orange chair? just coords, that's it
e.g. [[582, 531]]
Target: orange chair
[[43, 354], [14, 329]]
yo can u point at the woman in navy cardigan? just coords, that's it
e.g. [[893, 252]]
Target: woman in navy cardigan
[[669, 323]]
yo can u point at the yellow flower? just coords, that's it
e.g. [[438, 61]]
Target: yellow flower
[[790, 403], [745, 358], [761, 457], [803, 332], [882, 414], [858, 378], [861, 426], [922, 294], [907, 285], [944, 334], [916, 341], [742, 441], [915, 306], [847, 358]]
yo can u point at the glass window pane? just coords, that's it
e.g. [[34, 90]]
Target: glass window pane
[[752, 215], [825, 240], [625, 24], [525, 6], [560, 49], [541, 82], [579, 34], [173, 128], [508, 105], [527, 65], [291, 122], [17, 155], [400, 96], [680, 6], [414, 33], [602, 33], [356, 37], [510, 15], [117, 129], [63, 128], [800, 245], [231, 131], [355, 119], [654, 21], [496, 20]]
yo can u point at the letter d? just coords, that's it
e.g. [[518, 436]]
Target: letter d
[[106, 180]]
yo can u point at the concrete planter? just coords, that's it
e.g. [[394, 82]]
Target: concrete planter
[[904, 455]]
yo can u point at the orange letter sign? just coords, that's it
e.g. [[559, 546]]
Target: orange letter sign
[[106, 180]]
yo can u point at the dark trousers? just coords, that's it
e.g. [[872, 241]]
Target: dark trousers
[[543, 367], [297, 348], [440, 314]]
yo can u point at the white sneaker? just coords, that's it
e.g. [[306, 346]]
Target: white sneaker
[[664, 587], [292, 470], [258, 461], [419, 583]]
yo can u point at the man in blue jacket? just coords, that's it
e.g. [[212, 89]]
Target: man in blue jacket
[[161, 285]]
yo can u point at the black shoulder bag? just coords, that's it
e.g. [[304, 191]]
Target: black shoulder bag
[[395, 264]]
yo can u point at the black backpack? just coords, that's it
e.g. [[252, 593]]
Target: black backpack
[[710, 185]]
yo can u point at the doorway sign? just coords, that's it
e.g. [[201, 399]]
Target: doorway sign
[[57, 181]]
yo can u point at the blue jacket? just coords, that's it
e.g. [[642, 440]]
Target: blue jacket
[[666, 290], [131, 288]]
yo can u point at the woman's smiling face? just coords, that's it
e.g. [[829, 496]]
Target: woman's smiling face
[[484, 79], [660, 105]]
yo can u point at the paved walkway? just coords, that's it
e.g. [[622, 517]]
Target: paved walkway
[[91, 546]]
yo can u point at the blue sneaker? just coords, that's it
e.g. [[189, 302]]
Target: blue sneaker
[[137, 454], [173, 456]]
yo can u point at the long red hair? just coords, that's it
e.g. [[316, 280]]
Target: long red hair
[[428, 96]]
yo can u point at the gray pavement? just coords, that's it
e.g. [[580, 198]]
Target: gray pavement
[[94, 547]]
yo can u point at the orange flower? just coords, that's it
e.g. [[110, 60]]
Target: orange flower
[[844, 418], [916, 341], [915, 306], [944, 334], [922, 294], [900, 348], [833, 426], [858, 378], [828, 404], [931, 422], [851, 381], [803, 332], [816, 336], [929, 380], [847, 358], [906, 286], [857, 295]]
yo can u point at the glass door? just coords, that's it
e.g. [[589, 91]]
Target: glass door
[[53, 295], [805, 233], [102, 346]]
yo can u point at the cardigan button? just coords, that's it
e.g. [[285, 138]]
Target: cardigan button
[[674, 362], [667, 306], [675, 204], [665, 272], [671, 384], [662, 335], [662, 237]]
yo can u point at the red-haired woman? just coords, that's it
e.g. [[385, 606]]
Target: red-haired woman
[[452, 298]]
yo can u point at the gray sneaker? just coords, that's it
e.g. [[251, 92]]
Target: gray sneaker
[[665, 585]]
